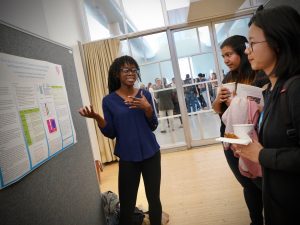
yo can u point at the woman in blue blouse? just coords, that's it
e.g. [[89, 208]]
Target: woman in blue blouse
[[129, 117]]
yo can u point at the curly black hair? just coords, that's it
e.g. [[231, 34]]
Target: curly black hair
[[114, 71]]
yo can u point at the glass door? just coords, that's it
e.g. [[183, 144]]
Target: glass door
[[197, 75]]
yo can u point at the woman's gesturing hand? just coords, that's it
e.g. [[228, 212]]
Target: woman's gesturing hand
[[89, 113]]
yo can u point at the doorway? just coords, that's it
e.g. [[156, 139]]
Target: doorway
[[197, 73]]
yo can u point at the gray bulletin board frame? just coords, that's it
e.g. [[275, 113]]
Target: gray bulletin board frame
[[64, 190]]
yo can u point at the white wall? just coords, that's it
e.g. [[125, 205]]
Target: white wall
[[60, 21], [64, 21], [57, 20], [28, 15]]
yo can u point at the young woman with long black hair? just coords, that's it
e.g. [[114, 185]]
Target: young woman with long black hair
[[240, 72]]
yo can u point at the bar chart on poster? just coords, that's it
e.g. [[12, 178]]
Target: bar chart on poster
[[35, 117]]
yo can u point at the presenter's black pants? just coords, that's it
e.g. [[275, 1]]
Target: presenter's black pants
[[129, 180], [251, 187]]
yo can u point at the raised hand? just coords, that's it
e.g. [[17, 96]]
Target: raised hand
[[89, 113]]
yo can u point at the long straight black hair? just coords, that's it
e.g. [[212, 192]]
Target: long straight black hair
[[281, 27], [115, 69]]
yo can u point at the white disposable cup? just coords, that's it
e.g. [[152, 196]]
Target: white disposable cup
[[229, 86], [243, 131]]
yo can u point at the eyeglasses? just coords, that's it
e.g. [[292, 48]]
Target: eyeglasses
[[127, 70], [250, 45]]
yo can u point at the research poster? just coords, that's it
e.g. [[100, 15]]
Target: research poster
[[35, 117]]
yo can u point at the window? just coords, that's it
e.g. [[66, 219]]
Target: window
[[150, 48], [143, 15], [186, 42], [115, 17], [96, 29]]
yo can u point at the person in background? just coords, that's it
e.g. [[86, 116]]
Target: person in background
[[151, 90], [240, 72], [175, 101], [129, 117], [201, 90], [156, 85], [142, 86], [213, 85], [190, 94], [274, 47], [150, 87], [165, 105]]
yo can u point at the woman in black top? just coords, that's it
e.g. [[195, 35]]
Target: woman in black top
[[274, 46]]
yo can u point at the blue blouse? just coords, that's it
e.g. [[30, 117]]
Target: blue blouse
[[135, 140]]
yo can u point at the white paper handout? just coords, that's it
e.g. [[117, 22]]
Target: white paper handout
[[250, 92]]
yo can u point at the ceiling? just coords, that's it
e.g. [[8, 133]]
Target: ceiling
[[204, 9], [108, 11]]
